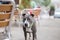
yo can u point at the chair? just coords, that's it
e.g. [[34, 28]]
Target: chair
[[36, 12], [16, 17], [6, 12]]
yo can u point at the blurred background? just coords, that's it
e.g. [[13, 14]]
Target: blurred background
[[47, 16]]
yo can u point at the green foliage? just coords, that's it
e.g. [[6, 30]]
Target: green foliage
[[46, 2], [21, 7], [52, 7], [43, 2], [24, 4]]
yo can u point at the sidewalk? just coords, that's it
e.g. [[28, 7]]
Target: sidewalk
[[49, 29]]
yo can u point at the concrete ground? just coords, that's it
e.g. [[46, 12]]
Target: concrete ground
[[47, 29]]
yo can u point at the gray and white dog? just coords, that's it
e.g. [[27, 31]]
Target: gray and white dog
[[29, 22]]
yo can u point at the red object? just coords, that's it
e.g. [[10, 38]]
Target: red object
[[30, 11]]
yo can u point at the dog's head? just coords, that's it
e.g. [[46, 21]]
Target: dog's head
[[27, 19]]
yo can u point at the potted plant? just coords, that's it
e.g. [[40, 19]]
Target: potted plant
[[52, 10]]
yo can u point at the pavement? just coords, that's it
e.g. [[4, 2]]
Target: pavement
[[47, 29]]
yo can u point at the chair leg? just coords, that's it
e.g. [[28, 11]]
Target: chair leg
[[19, 20], [38, 21], [8, 33]]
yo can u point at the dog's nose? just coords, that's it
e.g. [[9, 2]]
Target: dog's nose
[[26, 24]]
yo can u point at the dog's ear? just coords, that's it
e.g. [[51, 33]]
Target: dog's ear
[[23, 15], [32, 15]]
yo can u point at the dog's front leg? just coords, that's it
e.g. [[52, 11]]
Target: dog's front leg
[[34, 35], [25, 34]]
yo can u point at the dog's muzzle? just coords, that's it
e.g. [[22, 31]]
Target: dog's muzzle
[[26, 25]]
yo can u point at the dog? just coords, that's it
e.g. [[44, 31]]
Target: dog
[[30, 24]]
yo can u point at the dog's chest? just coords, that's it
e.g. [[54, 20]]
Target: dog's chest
[[28, 30]]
